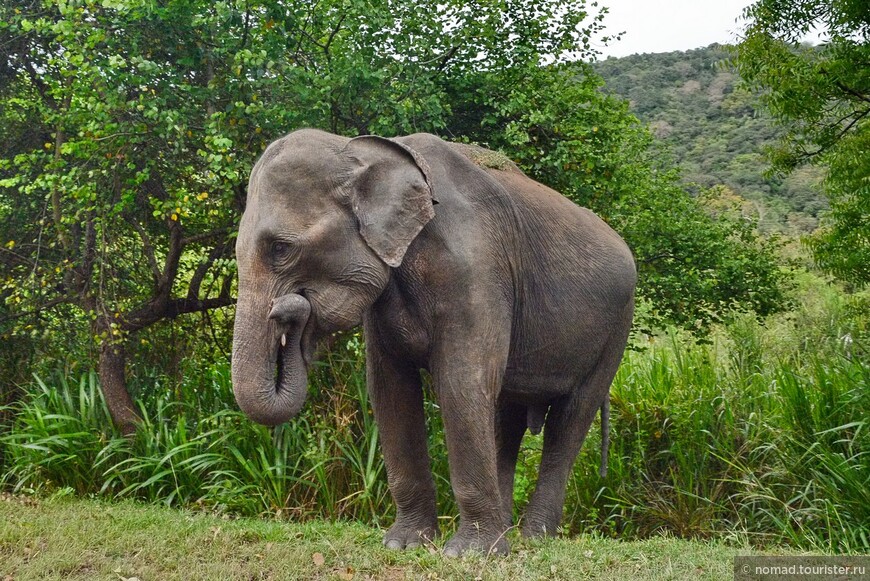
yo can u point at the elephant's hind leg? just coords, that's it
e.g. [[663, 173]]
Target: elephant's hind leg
[[565, 429]]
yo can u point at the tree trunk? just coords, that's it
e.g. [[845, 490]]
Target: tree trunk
[[114, 385]]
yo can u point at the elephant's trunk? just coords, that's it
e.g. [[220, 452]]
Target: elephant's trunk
[[269, 372]]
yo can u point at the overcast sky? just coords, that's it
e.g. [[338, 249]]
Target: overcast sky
[[668, 25]]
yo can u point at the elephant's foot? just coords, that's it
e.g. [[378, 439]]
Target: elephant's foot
[[410, 534], [540, 525], [472, 538]]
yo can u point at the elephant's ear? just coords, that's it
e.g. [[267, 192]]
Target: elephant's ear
[[392, 195]]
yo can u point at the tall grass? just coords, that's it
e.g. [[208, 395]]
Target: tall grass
[[699, 449], [198, 451], [740, 436]]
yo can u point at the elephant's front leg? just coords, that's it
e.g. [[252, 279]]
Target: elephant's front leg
[[467, 382], [397, 400]]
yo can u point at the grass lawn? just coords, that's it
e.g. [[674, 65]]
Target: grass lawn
[[65, 538]]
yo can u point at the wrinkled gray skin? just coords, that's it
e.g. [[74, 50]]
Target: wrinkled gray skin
[[516, 301]]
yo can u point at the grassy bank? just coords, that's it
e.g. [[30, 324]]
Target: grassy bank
[[85, 539]]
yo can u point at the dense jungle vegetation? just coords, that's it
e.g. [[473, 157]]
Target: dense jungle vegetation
[[128, 130]]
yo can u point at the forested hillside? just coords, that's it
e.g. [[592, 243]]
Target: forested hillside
[[694, 106]]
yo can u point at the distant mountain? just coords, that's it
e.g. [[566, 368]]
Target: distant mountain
[[693, 105]]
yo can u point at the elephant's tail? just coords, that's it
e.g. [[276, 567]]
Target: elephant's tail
[[605, 435]]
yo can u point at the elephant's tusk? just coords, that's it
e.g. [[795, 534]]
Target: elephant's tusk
[[283, 339]]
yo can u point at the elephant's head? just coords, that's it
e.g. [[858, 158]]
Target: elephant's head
[[326, 219]]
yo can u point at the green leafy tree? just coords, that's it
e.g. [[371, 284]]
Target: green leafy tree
[[130, 127], [821, 95], [133, 179]]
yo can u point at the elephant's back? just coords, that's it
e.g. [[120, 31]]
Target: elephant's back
[[555, 243], [570, 234], [486, 158]]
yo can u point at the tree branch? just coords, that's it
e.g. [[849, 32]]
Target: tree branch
[[56, 210], [205, 236], [173, 257], [247, 28], [148, 249], [147, 315], [332, 36], [655, 258], [43, 307], [850, 91], [806, 155], [153, 186], [202, 269], [447, 57], [16, 258], [183, 306]]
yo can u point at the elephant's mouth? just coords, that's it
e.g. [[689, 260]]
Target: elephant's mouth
[[295, 330], [271, 388], [290, 348], [283, 353]]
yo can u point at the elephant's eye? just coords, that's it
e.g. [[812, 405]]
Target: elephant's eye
[[280, 249]]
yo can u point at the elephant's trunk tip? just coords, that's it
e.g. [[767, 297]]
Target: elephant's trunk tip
[[269, 374]]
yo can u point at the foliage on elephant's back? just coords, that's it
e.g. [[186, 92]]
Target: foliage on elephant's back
[[486, 158]]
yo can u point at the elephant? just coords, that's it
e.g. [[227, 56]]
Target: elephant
[[516, 301]]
